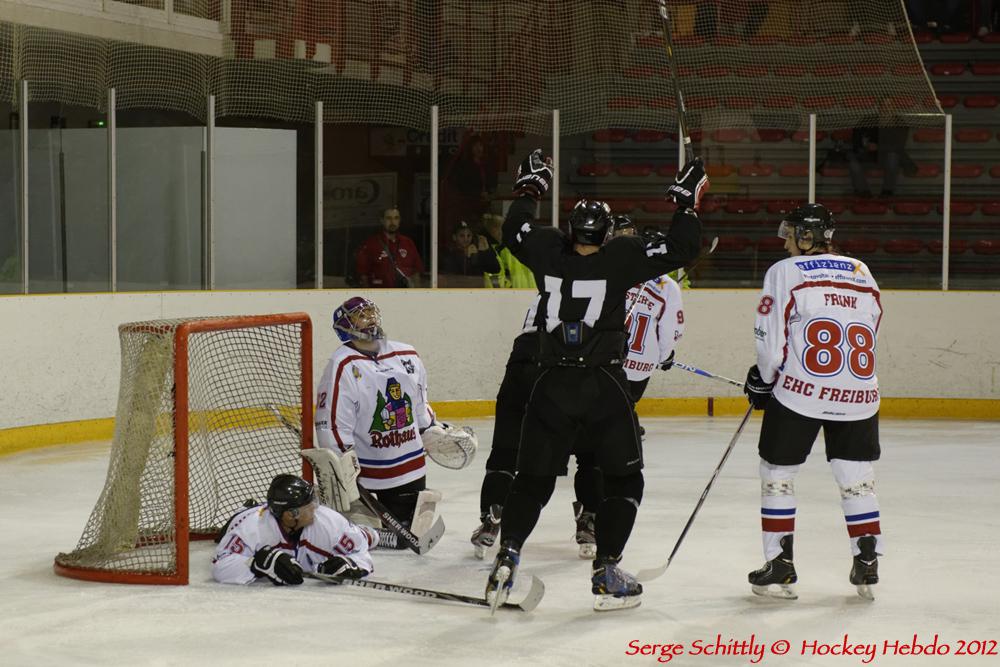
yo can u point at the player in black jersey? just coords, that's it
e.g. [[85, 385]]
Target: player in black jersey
[[581, 387]]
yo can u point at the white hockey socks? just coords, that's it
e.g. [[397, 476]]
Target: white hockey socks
[[777, 505], [856, 480]]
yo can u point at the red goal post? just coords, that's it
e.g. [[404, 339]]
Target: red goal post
[[196, 435]]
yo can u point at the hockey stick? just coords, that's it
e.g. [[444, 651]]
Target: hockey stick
[[420, 545], [680, 273], [679, 96], [653, 573], [530, 601], [698, 371]]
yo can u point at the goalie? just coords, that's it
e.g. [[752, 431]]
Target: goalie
[[374, 425]]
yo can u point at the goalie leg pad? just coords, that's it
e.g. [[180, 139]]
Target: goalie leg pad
[[336, 477]]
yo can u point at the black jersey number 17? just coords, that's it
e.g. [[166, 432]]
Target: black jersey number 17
[[593, 291]]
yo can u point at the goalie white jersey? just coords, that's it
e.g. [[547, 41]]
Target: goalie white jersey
[[654, 325], [330, 534], [377, 405], [817, 324]]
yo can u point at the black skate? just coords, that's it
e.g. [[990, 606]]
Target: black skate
[[502, 576], [864, 571], [585, 536], [613, 587], [779, 571], [485, 535], [642, 432], [389, 540]]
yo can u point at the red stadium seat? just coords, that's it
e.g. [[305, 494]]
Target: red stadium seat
[[948, 101], [594, 169], [661, 102], [712, 71], [819, 102], [634, 170], [955, 247], [740, 102], [831, 70], [981, 102], [639, 72], [843, 134], [877, 39], [859, 102], [802, 136], [756, 169], [743, 206], [903, 246], [830, 171], [702, 102], [719, 170], [960, 208], [609, 136], [796, 170], [948, 69], [913, 208], [667, 170], [990, 38], [710, 205], [790, 70], [567, 205], [623, 205], [903, 101], [869, 207], [859, 245], [733, 243], [770, 244], [986, 68], [730, 135], [648, 136], [658, 206], [624, 103], [928, 135], [928, 171], [781, 206], [908, 69], [973, 135], [870, 69], [967, 170], [956, 38], [836, 206], [750, 71], [769, 136], [779, 102], [990, 208], [984, 247], [995, 171]]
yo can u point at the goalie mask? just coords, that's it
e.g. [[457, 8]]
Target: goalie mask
[[289, 492], [590, 222], [813, 218], [358, 319]]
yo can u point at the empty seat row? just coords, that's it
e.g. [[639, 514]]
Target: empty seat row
[[815, 102]]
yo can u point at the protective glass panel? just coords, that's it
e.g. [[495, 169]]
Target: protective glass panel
[[10, 193], [68, 227]]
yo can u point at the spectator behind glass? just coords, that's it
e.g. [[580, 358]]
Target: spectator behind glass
[[499, 266], [388, 258], [462, 256], [884, 144], [470, 181], [985, 10]]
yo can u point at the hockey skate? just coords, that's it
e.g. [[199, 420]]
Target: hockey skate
[[485, 535], [502, 576], [585, 537], [779, 571], [864, 571], [613, 587], [389, 540]]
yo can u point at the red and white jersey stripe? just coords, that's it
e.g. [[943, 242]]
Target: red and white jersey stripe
[[816, 330], [376, 404], [654, 325]]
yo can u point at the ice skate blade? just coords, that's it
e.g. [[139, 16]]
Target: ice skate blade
[[866, 592], [498, 595], [588, 551], [612, 603], [782, 592]]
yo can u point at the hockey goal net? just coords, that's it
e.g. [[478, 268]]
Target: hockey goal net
[[197, 433]]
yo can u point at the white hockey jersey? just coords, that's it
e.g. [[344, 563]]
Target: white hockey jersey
[[330, 534], [817, 324], [378, 405], [654, 326]]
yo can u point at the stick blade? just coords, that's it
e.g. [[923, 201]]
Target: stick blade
[[535, 594], [651, 573], [431, 537]]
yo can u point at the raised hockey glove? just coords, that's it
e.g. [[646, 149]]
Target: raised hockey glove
[[533, 175], [667, 363], [689, 185], [757, 391], [277, 566], [342, 566]]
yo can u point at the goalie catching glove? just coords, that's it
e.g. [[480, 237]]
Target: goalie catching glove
[[277, 566], [336, 477], [450, 446]]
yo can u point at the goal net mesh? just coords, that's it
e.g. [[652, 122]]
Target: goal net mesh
[[235, 380], [504, 64]]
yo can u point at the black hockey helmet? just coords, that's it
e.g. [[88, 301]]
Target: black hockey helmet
[[288, 492], [621, 223], [590, 222], [814, 218]]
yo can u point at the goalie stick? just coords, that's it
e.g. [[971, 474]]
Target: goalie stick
[[713, 376], [653, 573], [419, 545], [529, 602]]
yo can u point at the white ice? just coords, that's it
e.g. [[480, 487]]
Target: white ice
[[940, 500]]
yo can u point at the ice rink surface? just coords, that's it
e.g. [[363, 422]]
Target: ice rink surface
[[938, 483]]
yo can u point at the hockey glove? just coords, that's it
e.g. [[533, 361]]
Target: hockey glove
[[277, 566], [757, 391], [342, 566], [689, 185], [533, 175], [667, 363]]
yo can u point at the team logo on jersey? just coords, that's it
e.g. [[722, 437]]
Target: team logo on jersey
[[393, 410], [356, 372], [408, 366], [835, 264]]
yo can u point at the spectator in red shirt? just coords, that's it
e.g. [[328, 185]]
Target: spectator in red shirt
[[388, 258]]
